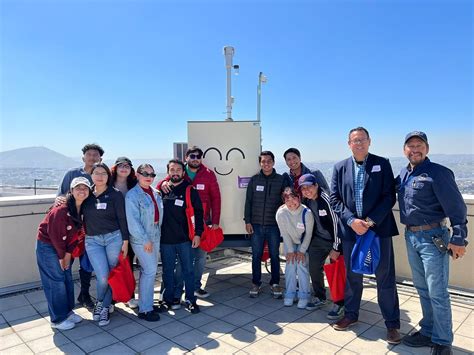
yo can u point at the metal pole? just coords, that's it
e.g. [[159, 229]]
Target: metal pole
[[229, 53], [34, 181], [259, 95]]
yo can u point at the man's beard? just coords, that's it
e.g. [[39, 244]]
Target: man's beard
[[194, 165], [175, 179]]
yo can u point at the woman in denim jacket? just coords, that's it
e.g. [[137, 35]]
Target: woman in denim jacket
[[144, 209]]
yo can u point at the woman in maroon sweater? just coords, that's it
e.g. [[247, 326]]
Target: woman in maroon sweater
[[57, 237]]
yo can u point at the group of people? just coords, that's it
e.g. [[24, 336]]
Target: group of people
[[118, 211]]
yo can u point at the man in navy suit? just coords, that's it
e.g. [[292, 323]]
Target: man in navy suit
[[363, 194]]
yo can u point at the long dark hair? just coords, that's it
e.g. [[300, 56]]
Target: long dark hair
[[71, 208], [131, 178]]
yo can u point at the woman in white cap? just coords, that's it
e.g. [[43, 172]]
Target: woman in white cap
[[57, 237]]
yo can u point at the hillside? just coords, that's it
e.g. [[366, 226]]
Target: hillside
[[35, 157]]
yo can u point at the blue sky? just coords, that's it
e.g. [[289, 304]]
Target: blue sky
[[130, 74]]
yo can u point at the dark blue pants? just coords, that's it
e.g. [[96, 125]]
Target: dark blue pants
[[272, 235], [183, 253], [57, 284], [387, 295]]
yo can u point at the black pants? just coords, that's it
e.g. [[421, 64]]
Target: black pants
[[318, 251], [387, 295]]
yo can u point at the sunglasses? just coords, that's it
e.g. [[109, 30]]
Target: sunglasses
[[195, 156], [145, 174]]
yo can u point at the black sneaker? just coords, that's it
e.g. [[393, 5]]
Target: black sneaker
[[201, 293], [85, 301], [417, 340], [192, 307], [439, 349], [149, 316], [161, 307]]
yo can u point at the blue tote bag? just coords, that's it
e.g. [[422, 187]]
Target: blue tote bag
[[365, 255]]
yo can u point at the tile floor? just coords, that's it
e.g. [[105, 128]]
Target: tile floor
[[229, 323]]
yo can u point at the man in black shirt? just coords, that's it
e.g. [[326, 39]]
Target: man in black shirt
[[175, 240]]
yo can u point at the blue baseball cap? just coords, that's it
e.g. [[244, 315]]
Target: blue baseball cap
[[306, 180], [418, 134]]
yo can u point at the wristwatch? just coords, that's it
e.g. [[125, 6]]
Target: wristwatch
[[370, 222]]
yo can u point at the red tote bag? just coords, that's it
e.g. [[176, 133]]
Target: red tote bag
[[336, 276], [122, 281], [210, 238]]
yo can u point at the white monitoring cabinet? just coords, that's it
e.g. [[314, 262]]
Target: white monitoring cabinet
[[231, 150]]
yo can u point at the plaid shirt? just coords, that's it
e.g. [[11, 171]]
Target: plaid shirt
[[359, 178]]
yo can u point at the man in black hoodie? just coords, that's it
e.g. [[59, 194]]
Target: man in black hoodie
[[175, 241], [262, 201]]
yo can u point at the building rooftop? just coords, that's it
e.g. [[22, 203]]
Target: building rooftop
[[229, 323]]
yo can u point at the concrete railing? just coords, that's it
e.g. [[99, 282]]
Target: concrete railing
[[20, 217]]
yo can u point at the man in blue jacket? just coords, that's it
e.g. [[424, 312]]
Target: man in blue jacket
[[427, 195], [362, 195]]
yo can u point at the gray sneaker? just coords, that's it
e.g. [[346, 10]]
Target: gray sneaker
[[254, 291], [315, 303], [336, 313], [277, 291]]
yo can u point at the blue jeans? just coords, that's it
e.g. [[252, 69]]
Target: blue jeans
[[297, 272], [57, 284], [103, 251], [430, 269], [148, 268], [272, 235], [199, 262], [182, 253]]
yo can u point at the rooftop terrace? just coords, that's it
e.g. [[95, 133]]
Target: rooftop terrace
[[229, 323]]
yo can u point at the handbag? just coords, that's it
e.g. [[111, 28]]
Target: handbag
[[122, 281], [210, 238], [365, 256], [336, 276]]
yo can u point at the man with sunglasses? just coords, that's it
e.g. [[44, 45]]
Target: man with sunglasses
[[92, 154], [205, 182]]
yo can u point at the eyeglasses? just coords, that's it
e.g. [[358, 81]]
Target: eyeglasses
[[124, 166], [359, 141], [99, 174], [145, 174], [195, 156]]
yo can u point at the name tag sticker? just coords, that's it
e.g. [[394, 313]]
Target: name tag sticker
[[178, 203], [260, 188], [101, 206], [299, 225], [200, 186], [323, 213], [376, 168]]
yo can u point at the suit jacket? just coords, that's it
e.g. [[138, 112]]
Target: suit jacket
[[377, 200]]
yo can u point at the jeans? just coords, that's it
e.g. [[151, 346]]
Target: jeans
[[430, 269], [387, 296], [182, 253], [57, 284], [199, 262], [103, 251], [148, 268], [272, 235], [297, 272]]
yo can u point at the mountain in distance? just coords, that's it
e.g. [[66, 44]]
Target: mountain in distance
[[36, 157]]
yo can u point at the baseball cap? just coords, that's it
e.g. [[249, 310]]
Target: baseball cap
[[419, 134], [306, 180], [121, 160], [80, 181]]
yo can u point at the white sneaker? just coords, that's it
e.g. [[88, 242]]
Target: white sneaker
[[111, 308], [75, 318], [302, 303], [133, 303], [288, 302], [64, 325]]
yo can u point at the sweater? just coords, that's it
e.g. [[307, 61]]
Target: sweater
[[292, 227]]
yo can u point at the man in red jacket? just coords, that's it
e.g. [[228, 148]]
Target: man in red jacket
[[205, 182]]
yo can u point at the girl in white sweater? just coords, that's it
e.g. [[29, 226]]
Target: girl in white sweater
[[295, 222]]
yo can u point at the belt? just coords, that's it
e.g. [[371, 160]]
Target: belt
[[425, 227]]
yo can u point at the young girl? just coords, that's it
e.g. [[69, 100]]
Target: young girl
[[295, 222]]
